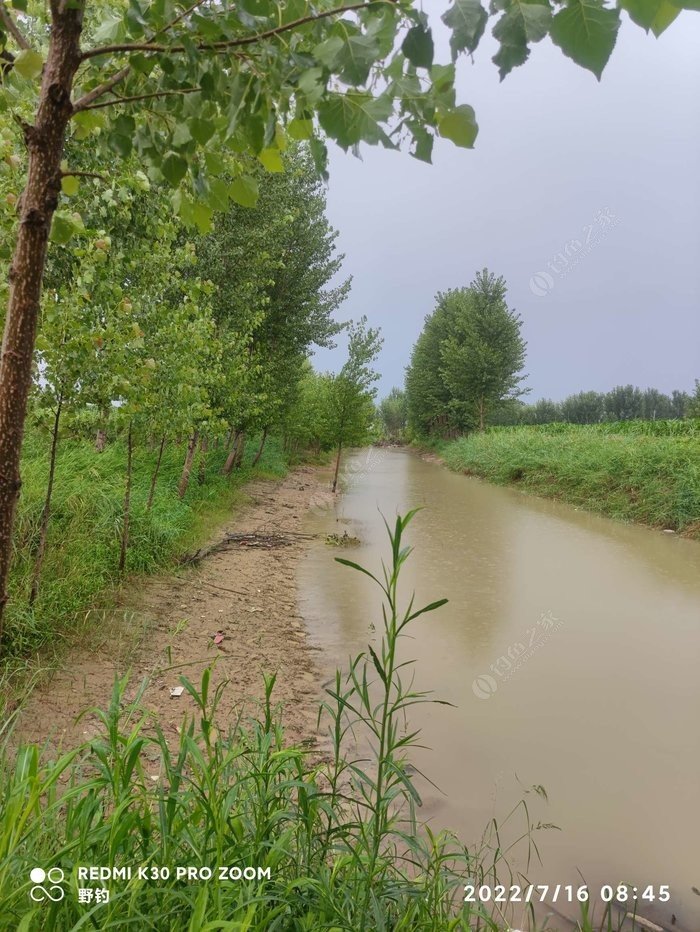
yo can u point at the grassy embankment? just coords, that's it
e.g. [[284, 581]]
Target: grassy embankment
[[80, 571], [642, 471]]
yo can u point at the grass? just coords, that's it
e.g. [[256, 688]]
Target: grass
[[332, 846], [648, 472], [80, 571]]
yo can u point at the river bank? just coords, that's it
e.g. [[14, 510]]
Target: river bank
[[236, 609], [647, 473]]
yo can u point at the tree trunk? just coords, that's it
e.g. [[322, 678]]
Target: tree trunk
[[240, 450], [337, 467], [127, 502], [202, 473], [46, 512], [44, 141], [482, 414], [231, 458], [154, 477], [260, 448], [100, 440], [187, 465]]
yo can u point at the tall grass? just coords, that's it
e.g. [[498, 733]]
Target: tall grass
[[647, 471], [334, 845], [82, 559]]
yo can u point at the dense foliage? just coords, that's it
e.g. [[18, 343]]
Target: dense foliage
[[158, 348]]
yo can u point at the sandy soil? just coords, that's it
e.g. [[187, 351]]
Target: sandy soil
[[167, 628]]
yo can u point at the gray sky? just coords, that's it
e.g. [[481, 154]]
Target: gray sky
[[555, 148]]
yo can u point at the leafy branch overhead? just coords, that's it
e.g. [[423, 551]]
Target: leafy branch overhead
[[176, 84]]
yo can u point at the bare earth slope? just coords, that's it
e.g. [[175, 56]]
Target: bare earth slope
[[246, 593]]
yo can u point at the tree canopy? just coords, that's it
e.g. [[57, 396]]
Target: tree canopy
[[468, 361]]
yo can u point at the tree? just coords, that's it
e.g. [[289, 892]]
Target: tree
[[694, 403], [623, 403], [183, 87], [679, 403], [483, 356], [350, 392], [467, 363], [392, 412], [584, 408], [427, 395]]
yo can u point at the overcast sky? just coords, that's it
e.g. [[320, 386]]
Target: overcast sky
[[555, 148]]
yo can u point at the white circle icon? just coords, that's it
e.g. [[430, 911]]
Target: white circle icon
[[37, 875]]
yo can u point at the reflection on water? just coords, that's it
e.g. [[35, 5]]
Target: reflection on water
[[596, 694]]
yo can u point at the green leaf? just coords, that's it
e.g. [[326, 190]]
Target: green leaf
[[586, 32], [423, 149], [64, 226], [460, 126], [218, 193], [70, 185], [355, 117], [201, 130], [656, 15], [28, 64], [312, 84], [467, 20], [110, 30], [202, 215], [86, 121], [244, 191], [20, 5], [173, 168], [357, 55], [522, 23], [272, 160], [300, 129], [418, 47], [122, 145]]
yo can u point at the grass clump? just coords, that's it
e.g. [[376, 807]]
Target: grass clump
[[642, 471], [332, 846]]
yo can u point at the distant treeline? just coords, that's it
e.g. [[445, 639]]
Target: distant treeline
[[622, 403]]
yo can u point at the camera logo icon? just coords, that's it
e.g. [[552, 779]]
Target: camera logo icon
[[52, 878]]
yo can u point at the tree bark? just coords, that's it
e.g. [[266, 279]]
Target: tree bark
[[260, 448], [482, 417], [44, 141], [231, 458], [337, 467], [202, 473], [127, 502], [100, 440], [240, 450], [154, 477], [46, 511], [187, 465]]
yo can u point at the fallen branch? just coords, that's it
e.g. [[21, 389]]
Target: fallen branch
[[248, 541]]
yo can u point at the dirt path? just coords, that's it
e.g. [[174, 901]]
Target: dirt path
[[248, 594]]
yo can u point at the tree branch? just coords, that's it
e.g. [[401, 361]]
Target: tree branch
[[128, 100], [101, 89], [230, 43], [181, 16], [12, 27], [79, 174]]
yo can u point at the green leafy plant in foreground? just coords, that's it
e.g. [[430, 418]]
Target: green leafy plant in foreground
[[331, 845]]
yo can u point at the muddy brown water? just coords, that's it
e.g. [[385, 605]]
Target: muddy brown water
[[570, 649]]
